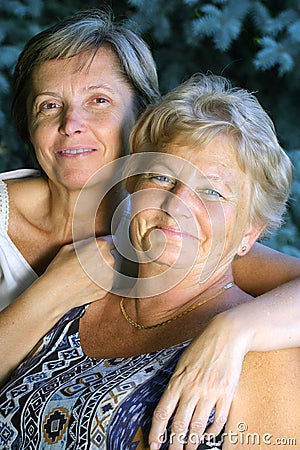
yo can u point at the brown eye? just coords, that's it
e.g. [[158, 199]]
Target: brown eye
[[50, 105], [100, 100]]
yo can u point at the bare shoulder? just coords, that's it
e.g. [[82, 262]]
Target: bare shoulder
[[27, 192], [263, 254], [263, 269], [266, 404]]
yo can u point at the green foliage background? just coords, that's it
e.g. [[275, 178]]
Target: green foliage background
[[256, 44]]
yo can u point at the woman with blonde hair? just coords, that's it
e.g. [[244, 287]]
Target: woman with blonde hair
[[78, 88], [198, 198]]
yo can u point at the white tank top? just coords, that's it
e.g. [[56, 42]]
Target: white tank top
[[16, 274]]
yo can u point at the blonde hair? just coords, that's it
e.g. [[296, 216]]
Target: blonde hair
[[207, 105]]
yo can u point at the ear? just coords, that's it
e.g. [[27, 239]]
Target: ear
[[250, 238]]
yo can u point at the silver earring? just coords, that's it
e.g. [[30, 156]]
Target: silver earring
[[244, 248]]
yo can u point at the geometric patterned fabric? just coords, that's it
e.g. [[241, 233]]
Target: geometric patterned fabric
[[62, 399]]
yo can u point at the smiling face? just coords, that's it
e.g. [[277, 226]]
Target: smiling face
[[183, 212], [79, 116]]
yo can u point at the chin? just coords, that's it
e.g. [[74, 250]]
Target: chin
[[77, 179], [177, 260]]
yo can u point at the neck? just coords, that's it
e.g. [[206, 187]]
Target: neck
[[158, 308], [82, 213]]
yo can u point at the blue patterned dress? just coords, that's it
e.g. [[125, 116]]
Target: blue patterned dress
[[62, 399]]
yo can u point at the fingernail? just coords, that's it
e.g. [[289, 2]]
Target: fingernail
[[153, 446]]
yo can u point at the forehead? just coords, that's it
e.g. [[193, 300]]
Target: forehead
[[215, 159], [86, 65]]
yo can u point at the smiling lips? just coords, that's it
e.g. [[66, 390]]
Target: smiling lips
[[75, 152], [174, 232]]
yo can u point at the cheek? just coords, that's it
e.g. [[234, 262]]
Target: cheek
[[222, 231], [236, 228], [115, 124], [138, 202], [212, 220], [138, 229], [32, 130], [142, 220], [127, 125], [111, 136], [241, 219], [146, 199], [40, 133]]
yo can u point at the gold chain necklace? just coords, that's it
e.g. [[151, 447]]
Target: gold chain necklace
[[150, 327]]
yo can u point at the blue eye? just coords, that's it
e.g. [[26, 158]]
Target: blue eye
[[211, 193], [162, 179]]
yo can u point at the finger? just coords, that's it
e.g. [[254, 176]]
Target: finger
[[107, 249], [95, 257], [220, 418], [161, 417], [80, 243], [108, 238], [191, 419], [180, 424], [105, 243], [198, 424]]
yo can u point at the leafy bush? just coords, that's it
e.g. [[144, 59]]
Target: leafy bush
[[253, 43]]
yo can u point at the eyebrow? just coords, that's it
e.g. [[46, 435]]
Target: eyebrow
[[35, 99], [100, 86], [211, 178], [87, 89], [48, 93], [223, 183], [157, 168], [215, 178], [165, 168], [114, 92]]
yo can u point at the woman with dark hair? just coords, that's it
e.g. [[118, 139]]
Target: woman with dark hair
[[79, 87]]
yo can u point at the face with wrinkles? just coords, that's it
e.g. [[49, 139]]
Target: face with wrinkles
[[197, 199], [79, 115]]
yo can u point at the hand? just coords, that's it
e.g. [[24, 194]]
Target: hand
[[206, 376], [65, 284], [80, 273]]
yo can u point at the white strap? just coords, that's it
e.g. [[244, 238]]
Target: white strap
[[19, 173], [4, 204], [4, 199]]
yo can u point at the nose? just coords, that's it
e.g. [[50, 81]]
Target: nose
[[72, 122], [177, 201]]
